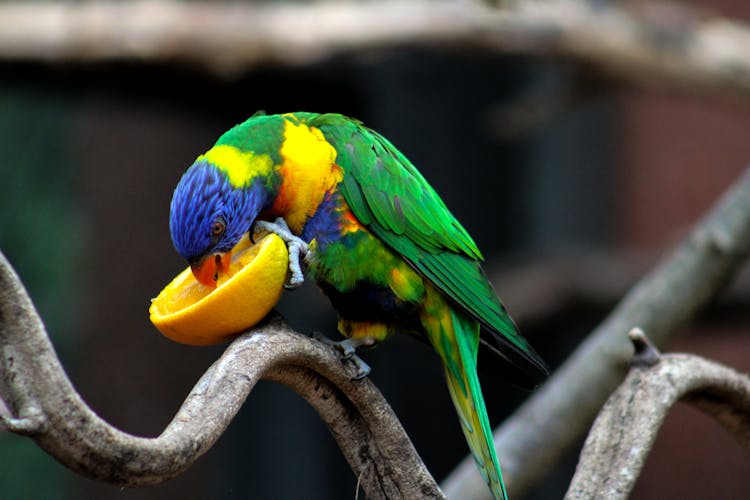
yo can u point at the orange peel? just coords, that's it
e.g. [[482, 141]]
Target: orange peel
[[189, 312]]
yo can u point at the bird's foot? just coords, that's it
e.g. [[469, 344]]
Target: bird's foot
[[348, 349], [296, 246]]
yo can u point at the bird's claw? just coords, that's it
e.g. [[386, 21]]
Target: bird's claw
[[348, 350], [363, 369], [296, 246]]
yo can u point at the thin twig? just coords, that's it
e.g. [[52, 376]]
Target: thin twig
[[549, 423], [45, 406]]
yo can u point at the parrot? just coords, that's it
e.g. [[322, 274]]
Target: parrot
[[362, 223]]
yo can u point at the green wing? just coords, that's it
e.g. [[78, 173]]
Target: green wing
[[389, 196]]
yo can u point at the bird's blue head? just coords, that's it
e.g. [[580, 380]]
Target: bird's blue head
[[209, 214]]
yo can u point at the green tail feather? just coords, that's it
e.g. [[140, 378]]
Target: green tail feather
[[473, 415], [457, 343]]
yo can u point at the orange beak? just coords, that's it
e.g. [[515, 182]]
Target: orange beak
[[207, 270]]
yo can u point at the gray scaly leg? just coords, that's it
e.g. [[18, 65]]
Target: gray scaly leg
[[295, 245], [348, 349]]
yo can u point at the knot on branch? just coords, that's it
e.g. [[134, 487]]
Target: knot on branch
[[646, 354], [31, 424]]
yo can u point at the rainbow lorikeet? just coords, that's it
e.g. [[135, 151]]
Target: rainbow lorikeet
[[371, 232]]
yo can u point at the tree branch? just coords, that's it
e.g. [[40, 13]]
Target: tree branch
[[538, 288], [549, 423], [624, 431], [44, 405], [665, 44]]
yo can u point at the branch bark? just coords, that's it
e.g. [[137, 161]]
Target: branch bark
[[550, 423], [625, 429], [666, 45], [44, 405]]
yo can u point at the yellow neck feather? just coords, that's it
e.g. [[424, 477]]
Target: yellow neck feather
[[308, 170]]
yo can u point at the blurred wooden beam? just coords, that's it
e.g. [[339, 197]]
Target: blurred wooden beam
[[663, 44], [537, 290]]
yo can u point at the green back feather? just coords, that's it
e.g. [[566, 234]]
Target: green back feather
[[388, 195]]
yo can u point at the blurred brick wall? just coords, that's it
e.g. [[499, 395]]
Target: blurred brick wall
[[678, 155]]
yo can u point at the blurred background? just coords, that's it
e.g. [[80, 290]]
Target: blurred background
[[573, 184]]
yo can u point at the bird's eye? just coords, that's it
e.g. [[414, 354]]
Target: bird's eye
[[218, 227]]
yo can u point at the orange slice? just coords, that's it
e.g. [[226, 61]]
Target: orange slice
[[189, 312]]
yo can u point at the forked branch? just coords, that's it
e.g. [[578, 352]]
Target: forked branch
[[44, 405]]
